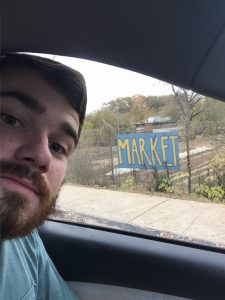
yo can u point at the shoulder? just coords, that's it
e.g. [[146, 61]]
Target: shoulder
[[24, 248]]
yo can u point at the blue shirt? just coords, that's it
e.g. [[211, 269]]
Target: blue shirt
[[27, 272]]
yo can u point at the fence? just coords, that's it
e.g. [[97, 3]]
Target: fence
[[95, 159]]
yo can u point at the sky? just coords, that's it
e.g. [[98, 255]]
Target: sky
[[106, 83]]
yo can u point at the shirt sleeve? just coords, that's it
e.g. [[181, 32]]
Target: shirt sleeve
[[50, 285]]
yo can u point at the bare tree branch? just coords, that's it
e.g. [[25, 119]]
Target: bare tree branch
[[179, 100], [195, 95], [187, 102], [197, 113], [181, 105], [199, 99], [174, 91]]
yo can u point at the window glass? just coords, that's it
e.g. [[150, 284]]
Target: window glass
[[150, 158]]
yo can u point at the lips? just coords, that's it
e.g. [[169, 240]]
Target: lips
[[21, 181]]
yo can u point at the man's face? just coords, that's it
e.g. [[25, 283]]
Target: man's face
[[38, 130]]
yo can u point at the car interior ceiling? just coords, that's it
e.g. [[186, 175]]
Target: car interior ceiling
[[180, 42], [175, 41]]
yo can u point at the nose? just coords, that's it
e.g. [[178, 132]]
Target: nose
[[35, 152]]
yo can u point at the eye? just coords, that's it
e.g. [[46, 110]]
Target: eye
[[10, 120], [58, 148]]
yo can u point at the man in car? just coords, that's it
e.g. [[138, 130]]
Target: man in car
[[42, 110]]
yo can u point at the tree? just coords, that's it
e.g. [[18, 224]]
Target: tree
[[120, 105], [155, 103], [95, 120], [188, 102], [212, 122]]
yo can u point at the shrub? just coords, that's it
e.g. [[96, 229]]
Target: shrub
[[202, 190], [218, 163], [128, 183], [216, 193], [218, 169], [165, 185]]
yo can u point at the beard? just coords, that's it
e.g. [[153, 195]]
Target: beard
[[18, 215]]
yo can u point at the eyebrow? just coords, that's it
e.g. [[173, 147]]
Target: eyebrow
[[39, 109], [68, 130], [29, 102]]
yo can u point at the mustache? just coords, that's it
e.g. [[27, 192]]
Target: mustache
[[22, 170]]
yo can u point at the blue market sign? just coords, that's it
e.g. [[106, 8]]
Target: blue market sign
[[148, 151]]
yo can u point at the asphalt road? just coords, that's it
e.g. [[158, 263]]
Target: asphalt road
[[172, 218]]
